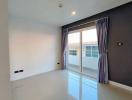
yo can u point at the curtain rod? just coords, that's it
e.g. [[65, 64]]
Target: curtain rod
[[85, 23]]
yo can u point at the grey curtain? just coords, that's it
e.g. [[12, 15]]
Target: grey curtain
[[63, 47], [102, 32]]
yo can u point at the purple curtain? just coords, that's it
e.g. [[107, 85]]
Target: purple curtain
[[63, 47], [102, 32]]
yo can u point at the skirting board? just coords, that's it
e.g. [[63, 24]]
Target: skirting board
[[121, 86]]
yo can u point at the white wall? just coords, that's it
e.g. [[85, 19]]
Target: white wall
[[4, 52], [34, 47], [87, 62], [74, 59], [90, 62]]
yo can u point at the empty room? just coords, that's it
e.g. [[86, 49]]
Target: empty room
[[66, 50]]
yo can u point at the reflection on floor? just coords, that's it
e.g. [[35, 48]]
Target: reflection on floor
[[82, 88], [65, 85]]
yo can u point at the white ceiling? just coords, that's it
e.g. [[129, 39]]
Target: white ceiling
[[47, 11]]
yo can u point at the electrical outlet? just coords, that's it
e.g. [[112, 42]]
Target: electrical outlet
[[21, 70], [58, 63], [16, 72]]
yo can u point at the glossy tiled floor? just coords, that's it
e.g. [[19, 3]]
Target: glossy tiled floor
[[65, 85]]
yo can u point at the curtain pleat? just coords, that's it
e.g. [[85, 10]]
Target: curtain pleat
[[63, 47], [102, 33]]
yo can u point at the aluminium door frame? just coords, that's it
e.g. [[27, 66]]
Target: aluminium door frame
[[80, 31]]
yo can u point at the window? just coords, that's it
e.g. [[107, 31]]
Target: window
[[73, 52], [92, 51], [88, 51]]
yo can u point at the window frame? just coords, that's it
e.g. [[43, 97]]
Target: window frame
[[91, 52], [82, 52], [73, 52]]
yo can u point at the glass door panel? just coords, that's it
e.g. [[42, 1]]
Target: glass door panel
[[90, 53], [74, 51]]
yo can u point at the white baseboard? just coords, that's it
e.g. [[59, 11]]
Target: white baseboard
[[121, 86]]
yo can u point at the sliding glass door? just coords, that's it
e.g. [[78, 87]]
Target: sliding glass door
[[90, 53], [82, 51], [74, 51]]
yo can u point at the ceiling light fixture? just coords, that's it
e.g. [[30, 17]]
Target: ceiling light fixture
[[73, 13]]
